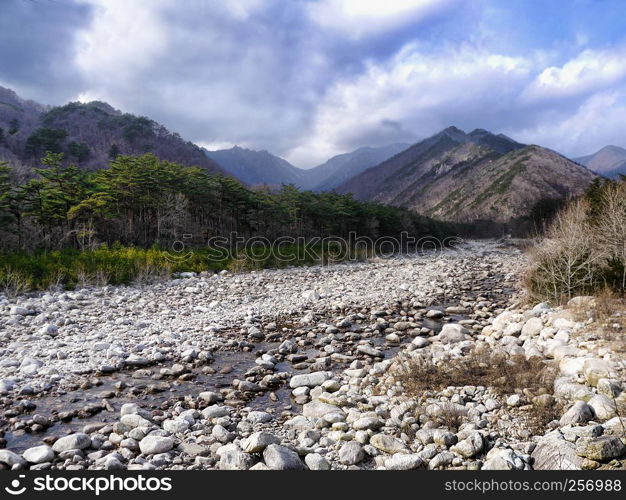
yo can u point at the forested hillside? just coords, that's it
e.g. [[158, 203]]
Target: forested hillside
[[141, 200]]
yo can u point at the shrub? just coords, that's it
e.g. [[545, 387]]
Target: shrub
[[584, 249]]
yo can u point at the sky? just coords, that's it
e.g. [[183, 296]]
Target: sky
[[309, 79]]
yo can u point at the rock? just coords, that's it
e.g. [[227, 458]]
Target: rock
[[258, 441], [30, 366], [434, 314], [512, 330], [452, 333], [367, 423], [133, 420], [19, 311], [602, 449], [585, 302], [318, 409], [210, 397], [152, 445], [420, 342], [315, 461], [553, 452], [441, 460], [39, 454], [259, 417], [402, 326], [233, 458], [602, 406], [176, 426], [470, 446], [10, 458], [78, 441], [215, 412], [595, 369], [351, 453], [388, 444], [49, 330], [193, 450], [311, 295], [401, 461], [221, 434], [278, 457], [309, 379], [579, 413], [135, 360], [532, 327], [370, 351]]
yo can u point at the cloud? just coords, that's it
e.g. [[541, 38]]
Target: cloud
[[591, 70], [358, 18], [37, 46], [419, 90], [597, 122], [309, 79]]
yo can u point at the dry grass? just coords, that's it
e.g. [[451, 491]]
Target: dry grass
[[504, 374], [14, 283]]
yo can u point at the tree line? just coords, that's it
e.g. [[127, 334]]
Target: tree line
[[144, 201]]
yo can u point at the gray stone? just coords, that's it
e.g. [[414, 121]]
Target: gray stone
[[152, 445], [78, 441], [278, 457], [309, 379], [603, 407], [470, 446], [402, 461], [351, 453], [315, 461], [601, 449], [553, 452], [39, 454], [388, 444], [452, 333], [9, 458], [319, 409], [258, 441], [232, 458], [579, 413], [532, 327]]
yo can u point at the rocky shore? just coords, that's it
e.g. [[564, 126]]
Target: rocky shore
[[313, 368]]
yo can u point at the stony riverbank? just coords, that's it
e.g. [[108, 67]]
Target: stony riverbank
[[309, 368]]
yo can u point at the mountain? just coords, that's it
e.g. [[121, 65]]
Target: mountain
[[89, 134], [610, 161], [340, 168], [465, 177], [261, 167], [257, 167]]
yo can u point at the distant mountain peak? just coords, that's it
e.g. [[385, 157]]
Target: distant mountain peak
[[609, 161], [465, 177]]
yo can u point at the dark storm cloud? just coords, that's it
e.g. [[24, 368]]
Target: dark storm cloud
[[37, 46], [308, 79]]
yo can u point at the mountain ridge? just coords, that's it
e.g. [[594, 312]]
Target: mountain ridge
[[464, 177], [88, 134], [609, 161]]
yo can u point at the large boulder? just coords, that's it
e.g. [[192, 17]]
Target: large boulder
[[278, 457], [78, 441], [152, 445], [601, 449], [553, 452], [452, 333], [579, 413]]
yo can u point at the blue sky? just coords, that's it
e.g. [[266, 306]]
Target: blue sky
[[307, 79]]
